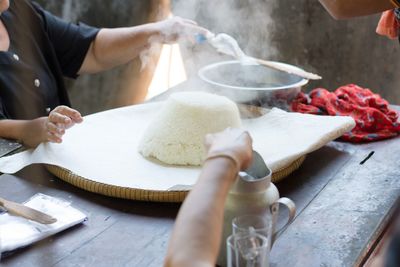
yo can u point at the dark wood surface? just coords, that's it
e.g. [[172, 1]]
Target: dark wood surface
[[343, 207]]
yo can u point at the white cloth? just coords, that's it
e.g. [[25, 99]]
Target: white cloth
[[16, 232], [104, 148]]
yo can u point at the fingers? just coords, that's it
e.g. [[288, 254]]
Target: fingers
[[192, 26], [54, 132], [247, 156], [191, 30], [55, 117], [176, 28], [64, 114], [246, 151], [60, 119], [54, 128], [189, 21], [53, 138], [232, 141]]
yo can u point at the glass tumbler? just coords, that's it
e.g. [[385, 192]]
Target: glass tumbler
[[247, 250], [254, 223]]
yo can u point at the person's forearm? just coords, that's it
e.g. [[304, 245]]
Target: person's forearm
[[197, 232], [113, 47], [12, 129], [343, 9], [29, 132]]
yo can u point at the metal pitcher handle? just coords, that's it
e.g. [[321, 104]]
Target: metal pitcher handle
[[274, 208]]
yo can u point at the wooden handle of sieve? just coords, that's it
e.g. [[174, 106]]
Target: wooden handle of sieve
[[289, 69]]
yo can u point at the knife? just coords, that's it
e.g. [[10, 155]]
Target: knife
[[26, 212]]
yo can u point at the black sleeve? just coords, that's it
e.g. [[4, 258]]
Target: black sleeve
[[70, 41], [2, 112]]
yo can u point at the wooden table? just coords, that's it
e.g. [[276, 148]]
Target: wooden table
[[344, 201]]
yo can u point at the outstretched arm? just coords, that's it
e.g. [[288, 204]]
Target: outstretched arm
[[344, 9], [197, 232], [113, 47]]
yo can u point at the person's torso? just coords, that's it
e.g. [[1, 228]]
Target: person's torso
[[28, 88]]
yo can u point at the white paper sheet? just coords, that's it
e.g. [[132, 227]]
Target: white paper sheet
[[16, 232], [104, 147]]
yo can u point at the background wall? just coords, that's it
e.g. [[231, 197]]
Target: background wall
[[341, 51], [302, 33], [298, 32]]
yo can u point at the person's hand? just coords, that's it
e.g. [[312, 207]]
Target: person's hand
[[60, 119], [231, 141], [176, 28], [33, 132], [51, 128]]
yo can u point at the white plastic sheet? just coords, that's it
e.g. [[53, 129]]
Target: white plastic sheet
[[104, 147]]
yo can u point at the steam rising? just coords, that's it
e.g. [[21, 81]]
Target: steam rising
[[248, 21], [146, 55], [226, 44]]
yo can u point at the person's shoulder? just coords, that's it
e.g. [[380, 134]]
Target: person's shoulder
[[32, 4], [20, 6], [29, 10]]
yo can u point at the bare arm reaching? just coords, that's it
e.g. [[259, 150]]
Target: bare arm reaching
[[344, 9], [113, 47], [196, 236]]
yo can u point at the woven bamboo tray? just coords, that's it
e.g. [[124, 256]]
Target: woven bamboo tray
[[141, 194]]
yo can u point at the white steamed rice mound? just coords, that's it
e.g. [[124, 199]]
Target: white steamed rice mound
[[176, 135]]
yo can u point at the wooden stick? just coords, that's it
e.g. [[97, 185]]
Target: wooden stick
[[289, 69]]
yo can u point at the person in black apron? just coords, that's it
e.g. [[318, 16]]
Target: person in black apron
[[38, 49]]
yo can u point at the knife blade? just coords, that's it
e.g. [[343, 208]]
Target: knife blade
[[26, 212]]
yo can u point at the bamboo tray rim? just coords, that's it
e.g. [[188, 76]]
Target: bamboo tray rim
[[175, 196]]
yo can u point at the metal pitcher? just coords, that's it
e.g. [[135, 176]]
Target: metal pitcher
[[253, 193]]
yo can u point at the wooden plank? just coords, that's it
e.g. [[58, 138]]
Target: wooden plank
[[106, 215], [342, 208], [338, 226], [132, 241], [303, 187], [376, 256], [318, 169]]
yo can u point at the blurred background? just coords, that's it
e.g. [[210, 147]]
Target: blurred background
[[297, 32]]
